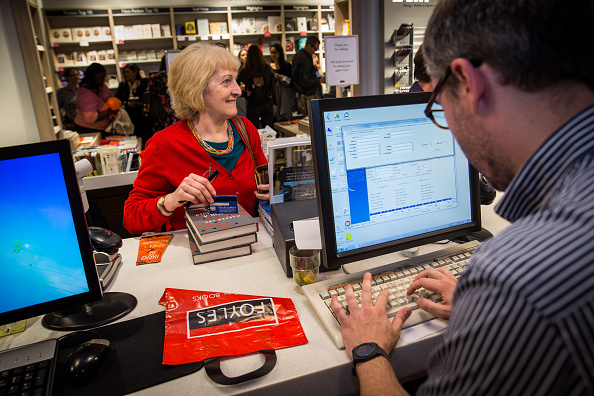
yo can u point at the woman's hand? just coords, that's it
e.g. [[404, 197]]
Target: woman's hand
[[263, 187], [193, 188]]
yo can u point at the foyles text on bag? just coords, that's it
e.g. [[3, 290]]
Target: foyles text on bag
[[202, 324]]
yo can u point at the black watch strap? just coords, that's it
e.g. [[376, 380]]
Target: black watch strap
[[365, 352]]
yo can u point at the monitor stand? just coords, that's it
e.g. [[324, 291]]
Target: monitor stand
[[110, 308]]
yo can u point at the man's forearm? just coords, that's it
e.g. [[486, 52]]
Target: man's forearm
[[376, 377]]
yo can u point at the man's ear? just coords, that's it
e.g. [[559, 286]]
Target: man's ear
[[471, 82]]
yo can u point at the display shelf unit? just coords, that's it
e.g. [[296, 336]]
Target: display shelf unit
[[38, 67], [402, 40], [121, 52]]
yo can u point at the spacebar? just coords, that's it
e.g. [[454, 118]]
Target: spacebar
[[417, 316]]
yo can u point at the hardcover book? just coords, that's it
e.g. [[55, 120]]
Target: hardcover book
[[224, 244], [217, 227], [200, 258]]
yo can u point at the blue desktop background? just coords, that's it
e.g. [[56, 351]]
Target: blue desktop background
[[39, 252]]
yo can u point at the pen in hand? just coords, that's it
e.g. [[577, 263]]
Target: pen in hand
[[211, 178]]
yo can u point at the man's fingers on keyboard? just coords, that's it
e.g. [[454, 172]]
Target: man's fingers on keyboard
[[350, 298], [340, 314], [434, 285], [401, 317], [446, 272], [382, 300], [366, 289], [433, 273], [439, 310]]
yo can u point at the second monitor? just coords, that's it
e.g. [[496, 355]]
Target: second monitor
[[387, 178]]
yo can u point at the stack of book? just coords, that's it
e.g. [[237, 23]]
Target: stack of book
[[265, 217], [219, 236]]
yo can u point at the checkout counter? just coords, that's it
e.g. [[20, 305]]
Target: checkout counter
[[313, 368]]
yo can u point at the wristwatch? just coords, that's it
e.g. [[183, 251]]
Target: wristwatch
[[161, 205], [365, 352]]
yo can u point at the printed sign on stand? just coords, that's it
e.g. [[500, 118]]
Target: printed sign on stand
[[342, 60]]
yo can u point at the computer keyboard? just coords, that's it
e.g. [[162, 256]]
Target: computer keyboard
[[396, 278], [28, 370]]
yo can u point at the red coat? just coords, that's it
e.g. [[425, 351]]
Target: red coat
[[171, 155]]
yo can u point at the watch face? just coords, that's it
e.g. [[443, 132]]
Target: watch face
[[365, 350]]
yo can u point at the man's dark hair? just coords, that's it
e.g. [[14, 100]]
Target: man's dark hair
[[420, 72], [531, 43], [312, 40]]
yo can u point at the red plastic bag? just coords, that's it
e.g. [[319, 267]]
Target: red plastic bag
[[200, 325]]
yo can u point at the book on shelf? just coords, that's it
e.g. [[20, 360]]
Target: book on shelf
[[215, 27], [202, 27], [262, 25], [223, 27], [237, 26], [200, 258], [216, 227], [290, 44], [239, 240], [301, 24], [289, 25], [301, 43], [249, 25], [275, 23]]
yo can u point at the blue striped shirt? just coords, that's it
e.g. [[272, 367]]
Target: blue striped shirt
[[523, 315]]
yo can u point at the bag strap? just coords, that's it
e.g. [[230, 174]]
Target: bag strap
[[213, 369], [240, 125]]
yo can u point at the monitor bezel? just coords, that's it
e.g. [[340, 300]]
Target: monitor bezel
[[331, 259], [63, 149]]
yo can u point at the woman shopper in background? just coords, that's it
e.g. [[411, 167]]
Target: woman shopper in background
[[258, 79], [176, 161], [241, 101], [284, 93], [93, 111], [131, 92]]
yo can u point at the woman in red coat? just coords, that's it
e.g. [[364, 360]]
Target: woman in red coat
[[176, 160]]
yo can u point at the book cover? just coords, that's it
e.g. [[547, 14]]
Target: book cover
[[237, 26], [289, 25], [301, 24], [312, 24], [290, 44], [214, 27], [249, 25], [232, 242], [302, 42], [190, 28], [223, 27], [290, 170], [275, 23], [202, 26], [200, 258], [216, 227], [262, 25]]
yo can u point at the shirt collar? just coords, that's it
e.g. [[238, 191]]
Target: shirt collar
[[545, 169]]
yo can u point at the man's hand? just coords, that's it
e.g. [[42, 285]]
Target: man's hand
[[440, 281], [369, 323]]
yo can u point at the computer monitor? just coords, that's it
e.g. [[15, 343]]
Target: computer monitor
[[46, 254], [387, 178]]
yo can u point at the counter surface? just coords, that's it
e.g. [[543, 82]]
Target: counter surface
[[305, 369]]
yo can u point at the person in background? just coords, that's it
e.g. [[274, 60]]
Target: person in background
[[258, 79], [67, 98], [93, 114], [176, 161], [423, 81], [284, 93], [160, 113], [131, 92], [519, 99], [241, 101], [307, 83]]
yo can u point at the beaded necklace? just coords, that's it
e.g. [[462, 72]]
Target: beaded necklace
[[207, 146]]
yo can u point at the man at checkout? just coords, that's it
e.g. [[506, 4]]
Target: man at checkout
[[519, 99], [178, 160]]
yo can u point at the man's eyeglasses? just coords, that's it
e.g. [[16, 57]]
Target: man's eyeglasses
[[433, 99]]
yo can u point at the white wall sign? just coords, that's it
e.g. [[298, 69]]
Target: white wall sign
[[342, 60]]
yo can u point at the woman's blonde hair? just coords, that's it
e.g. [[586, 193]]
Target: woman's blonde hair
[[189, 75]]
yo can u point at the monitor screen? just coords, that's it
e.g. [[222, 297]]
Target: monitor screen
[[46, 254], [387, 178]]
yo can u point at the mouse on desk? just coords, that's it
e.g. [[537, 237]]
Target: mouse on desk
[[84, 362]]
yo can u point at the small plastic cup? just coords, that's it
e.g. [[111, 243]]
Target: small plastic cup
[[305, 265]]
